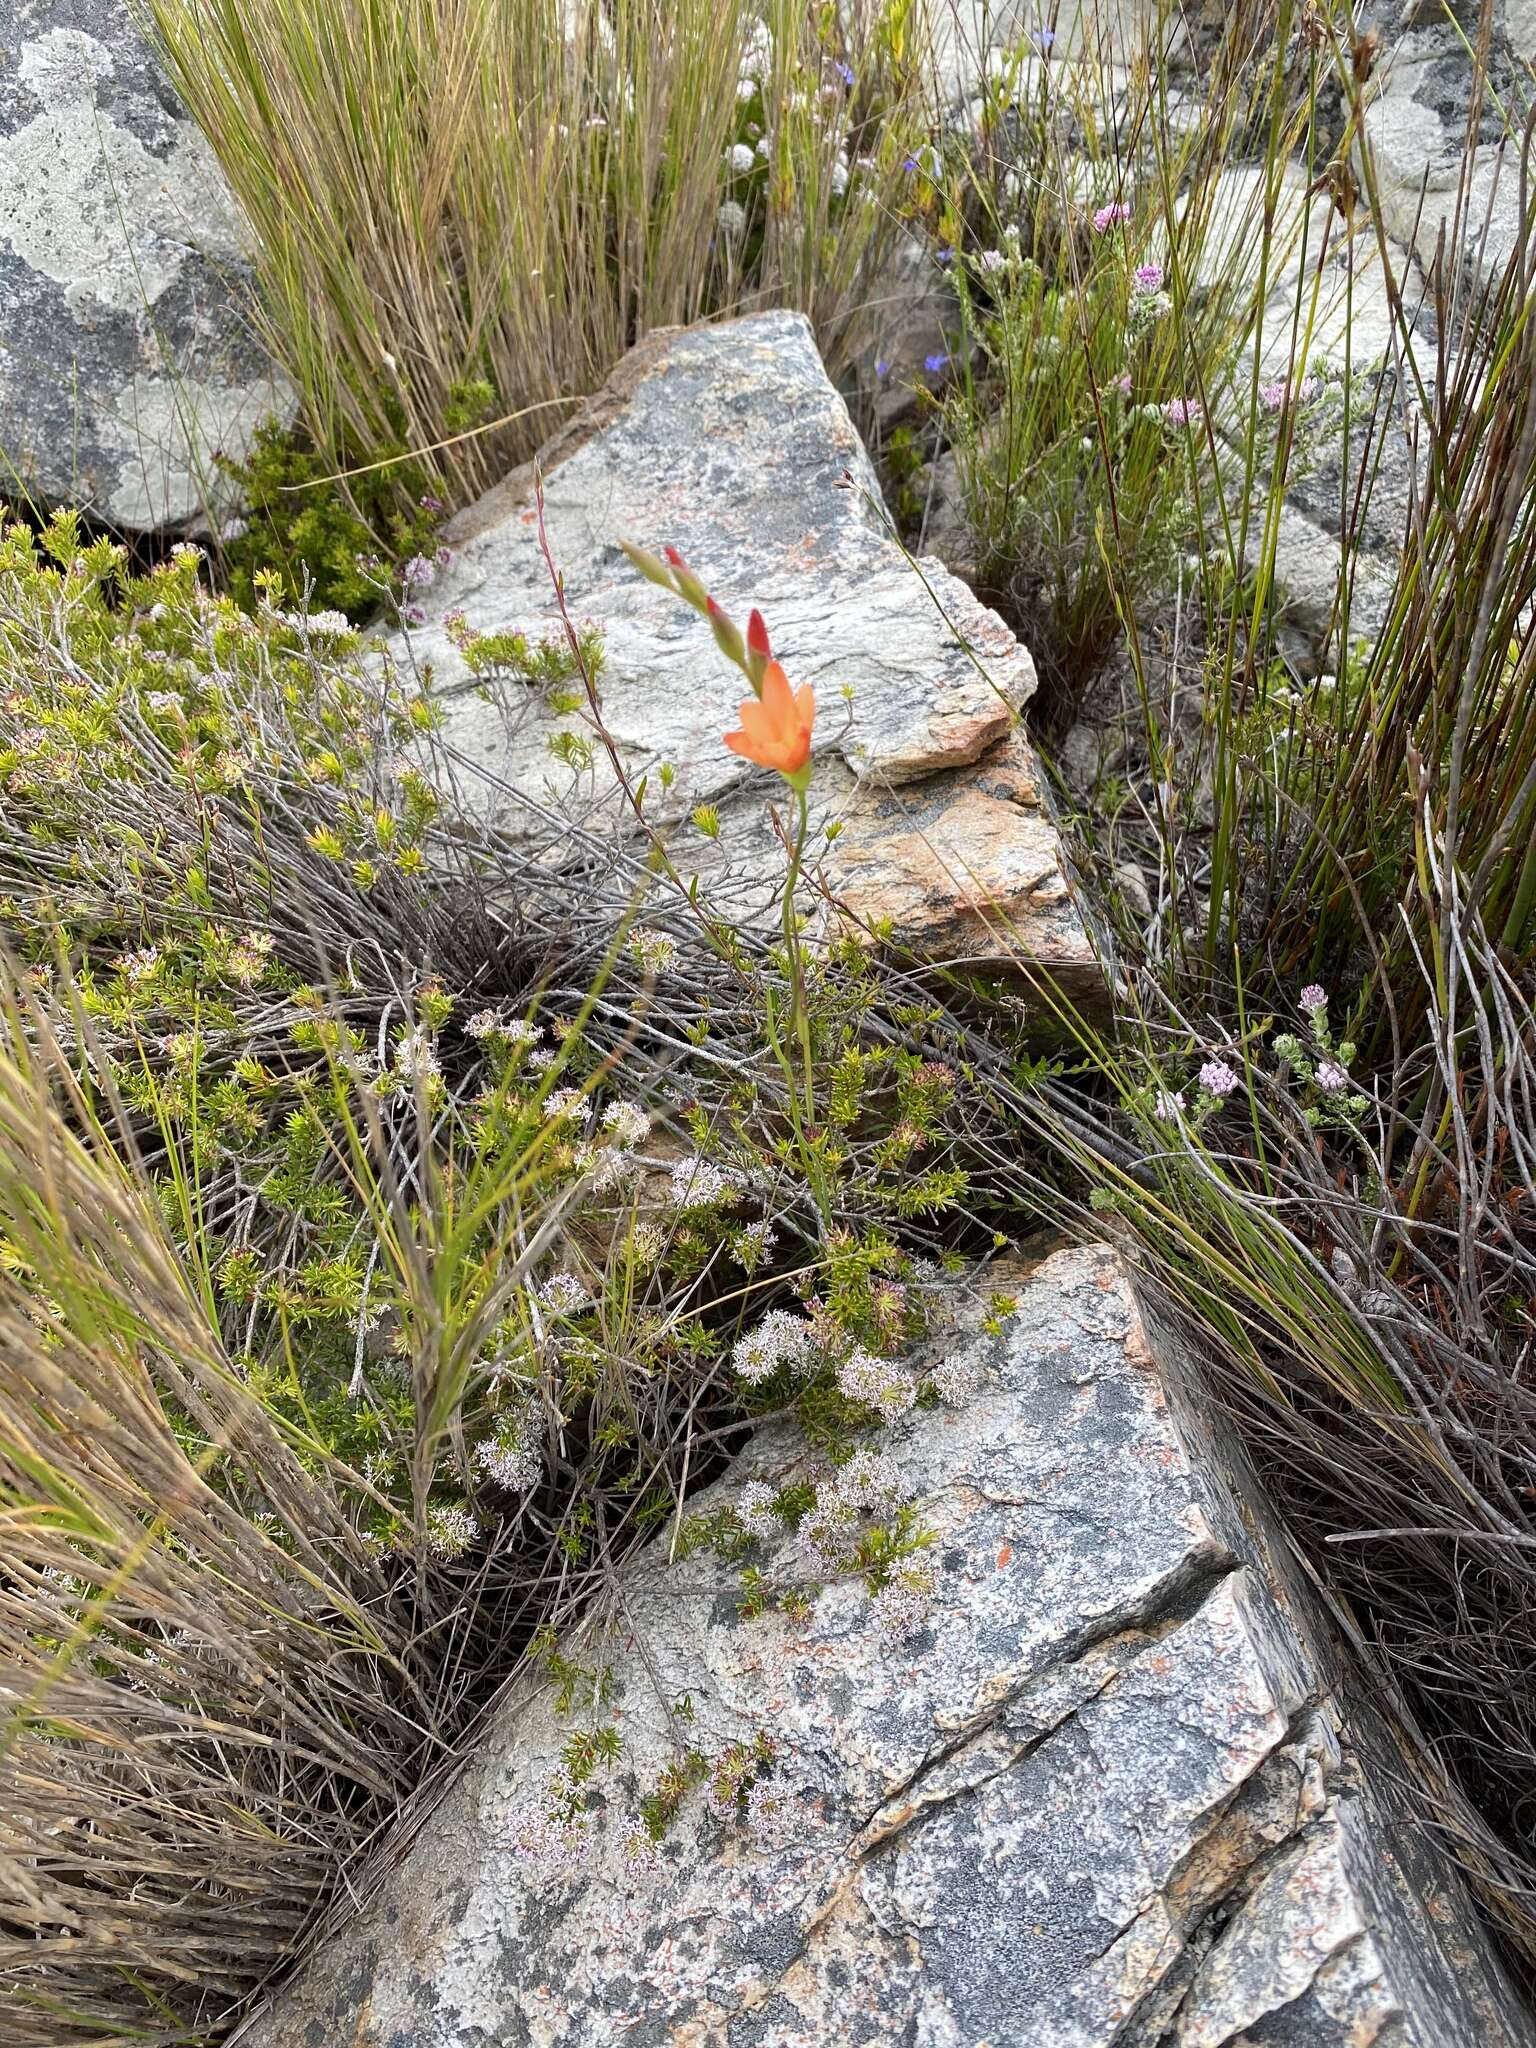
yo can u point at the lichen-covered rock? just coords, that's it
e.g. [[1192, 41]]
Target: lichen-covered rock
[[126, 355], [1102, 1799], [730, 444]]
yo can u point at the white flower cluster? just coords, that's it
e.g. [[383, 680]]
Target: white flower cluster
[[877, 1383], [416, 1056], [564, 1294], [493, 1024], [642, 1852], [903, 1606], [754, 1510], [654, 950], [958, 1376], [771, 1813], [550, 1847], [828, 1532], [870, 1481], [699, 1184], [567, 1106], [780, 1339], [512, 1459], [753, 1244], [606, 1166], [451, 1529], [626, 1123]]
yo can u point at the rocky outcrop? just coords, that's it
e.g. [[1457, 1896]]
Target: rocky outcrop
[[932, 831], [1424, 96], [126, 356], [1106, 1796]]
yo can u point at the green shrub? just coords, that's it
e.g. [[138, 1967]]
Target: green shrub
[[341, 542]]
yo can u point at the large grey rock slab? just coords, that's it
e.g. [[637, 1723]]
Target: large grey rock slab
[[932, 829], [126, 353], [1105, 1797]]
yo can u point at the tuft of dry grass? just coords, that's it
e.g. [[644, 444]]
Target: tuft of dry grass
[[469, 209]]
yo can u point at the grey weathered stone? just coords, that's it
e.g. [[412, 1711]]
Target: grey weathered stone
[[1416, 122], [1110, 1796], [126, 356], [730, 444]]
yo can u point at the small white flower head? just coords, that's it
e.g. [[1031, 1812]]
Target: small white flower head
[[780, 1339], [770, 1811], [419, 573], [551, 1847], [141, 966], [1331, 1077], [1169, 1104], [746, 87], [564, 1294], [876, 1383], [656, 951], [754, 1511], [567, 1106], [741, 157], [451, 1529], [839, 176], [991, 259], [1217, 1078], [698, 1184], [416, 1056], [871, 1481], [958, 1377], [641, 1850], [646, 1245], [828, 1533], [1313, 998], [626, 1123], [754, 1244], [606, 1167], [731, 219], [512, 1458], [757, 51], [903, 1606]]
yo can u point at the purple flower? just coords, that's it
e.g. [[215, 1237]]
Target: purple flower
[[1272, 395], [1331, 1077], [413, 614], [909, 163], [935, 363], [431, 504], [882, 367], [1217, 1078], [1182, 412], [944, 258], [844, 72], [1123, 384], [1147, 278], [1169, 1103], [1313, 997], [1045, 37], [1110, 216]]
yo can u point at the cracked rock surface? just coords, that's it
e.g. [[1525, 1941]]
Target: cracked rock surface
[[730, 444], [1104, 1799], [126, 356]]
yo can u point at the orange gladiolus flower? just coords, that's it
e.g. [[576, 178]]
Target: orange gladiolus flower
[[776, 727]]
